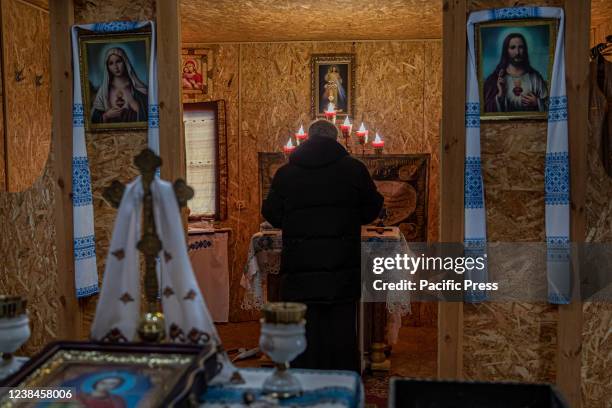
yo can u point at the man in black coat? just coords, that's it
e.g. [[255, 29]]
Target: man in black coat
[[320, 199]]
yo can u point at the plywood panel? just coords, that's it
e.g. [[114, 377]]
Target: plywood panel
[[94, 11], [27, 242], [29, 264], [601, 20], [510, 342], [217, 21], [27, 91]]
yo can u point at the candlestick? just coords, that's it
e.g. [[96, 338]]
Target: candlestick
[[300, 136], [330, 113]]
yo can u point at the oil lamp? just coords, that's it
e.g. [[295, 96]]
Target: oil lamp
[[283, 338]]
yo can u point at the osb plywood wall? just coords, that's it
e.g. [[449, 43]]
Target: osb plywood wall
[[601, 20], [512, 341], [27, 121], [110, 153], [267, 87], [27, 241]]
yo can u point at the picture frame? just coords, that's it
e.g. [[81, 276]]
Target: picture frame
[[127, 374], [196, 72], [515, 84], [221, 175], [332, 79], [115, 79]]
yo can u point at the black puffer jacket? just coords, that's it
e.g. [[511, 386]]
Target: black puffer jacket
[[320, 199]]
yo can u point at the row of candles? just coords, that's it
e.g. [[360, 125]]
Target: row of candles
[[345, 128]]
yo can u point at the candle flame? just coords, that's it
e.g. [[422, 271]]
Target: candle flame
[[289, 144], [377, 139], [362, 128], [301, 131], [347, 122], [331, 107]]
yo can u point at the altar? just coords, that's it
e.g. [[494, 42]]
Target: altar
[[379, 323]]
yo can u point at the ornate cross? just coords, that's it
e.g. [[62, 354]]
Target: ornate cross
[[150, 245]]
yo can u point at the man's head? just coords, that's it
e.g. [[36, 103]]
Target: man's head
[[322, 128], [514, 50]]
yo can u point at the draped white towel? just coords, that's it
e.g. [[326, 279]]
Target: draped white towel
[[85, 270], [557, 192], [187, 318]]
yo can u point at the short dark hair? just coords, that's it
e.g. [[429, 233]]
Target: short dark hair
[[323, 128]]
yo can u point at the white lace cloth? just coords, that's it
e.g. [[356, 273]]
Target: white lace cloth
[[265, 254]]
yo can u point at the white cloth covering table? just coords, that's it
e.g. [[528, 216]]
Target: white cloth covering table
[[322, 388]]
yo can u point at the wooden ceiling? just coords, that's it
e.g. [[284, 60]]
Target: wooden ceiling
[[217, 21]]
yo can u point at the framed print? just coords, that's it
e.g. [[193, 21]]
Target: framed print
[[514, 61], [129, 375], [332, 81], [115, 80], [196, 73]]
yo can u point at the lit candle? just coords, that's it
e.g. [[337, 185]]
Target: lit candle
[[300, 136], [378, 144], [362, 134], [330, 113], [346, 127], [289, 147]]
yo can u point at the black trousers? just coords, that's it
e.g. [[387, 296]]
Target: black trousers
[[331, 334]]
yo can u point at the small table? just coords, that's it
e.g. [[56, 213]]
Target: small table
[[321, 389], [260, 280]]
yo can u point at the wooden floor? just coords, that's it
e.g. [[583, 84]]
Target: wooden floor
[[414, 355]]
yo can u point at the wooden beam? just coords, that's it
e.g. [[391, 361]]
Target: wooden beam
[[450, 314], [569, 330], [171, 135], [61, 18]]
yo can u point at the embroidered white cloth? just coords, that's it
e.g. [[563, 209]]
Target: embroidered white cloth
[[85, 270], [557, 160], [118, 312]]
